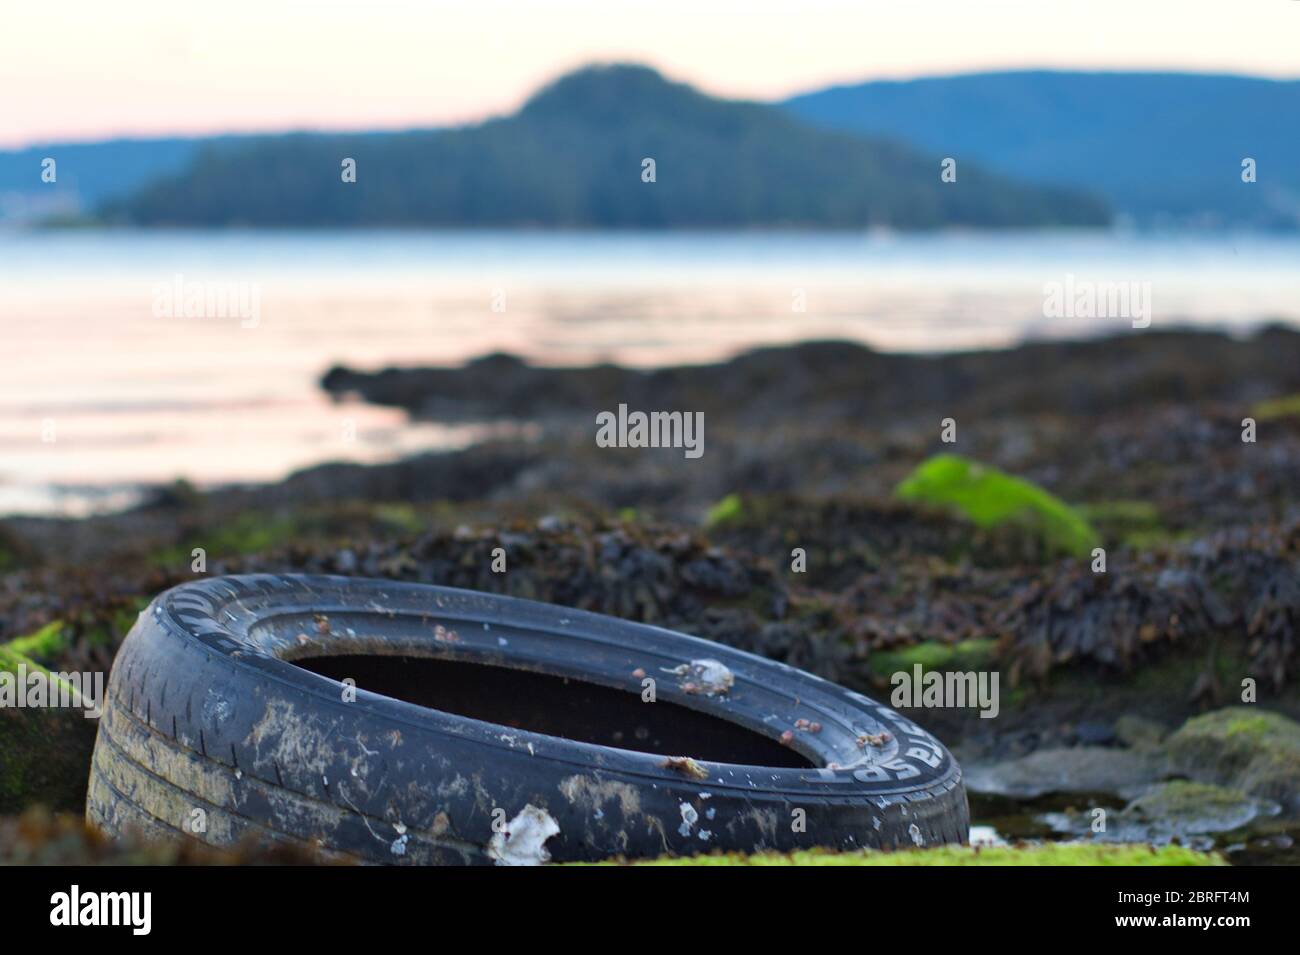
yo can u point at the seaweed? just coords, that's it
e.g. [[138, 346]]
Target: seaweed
[[988, 497]]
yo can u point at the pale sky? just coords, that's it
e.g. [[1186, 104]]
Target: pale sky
[[87, 69]]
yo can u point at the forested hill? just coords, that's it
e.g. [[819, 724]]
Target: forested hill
[[573, 156], [1162, 148]]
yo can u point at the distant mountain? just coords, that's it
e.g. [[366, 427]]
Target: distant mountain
[[88, 174], [1162, 147], [572, 157]]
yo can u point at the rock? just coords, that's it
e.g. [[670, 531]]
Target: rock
[[1247, 748], [1093, 733], [1187, 812], [1137, 732], [1080, 769], [1187, 807]]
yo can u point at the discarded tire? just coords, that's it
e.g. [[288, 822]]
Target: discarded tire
[[229, 716]]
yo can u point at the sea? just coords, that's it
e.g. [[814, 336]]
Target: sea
[[134, 358]]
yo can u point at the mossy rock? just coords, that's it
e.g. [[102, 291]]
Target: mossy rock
[[1178, 811], [1245, 748], [1052, 853], [44, 753], [1189, 807], [989, 498]]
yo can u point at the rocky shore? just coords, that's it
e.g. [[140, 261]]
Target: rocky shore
[[1104, 675]]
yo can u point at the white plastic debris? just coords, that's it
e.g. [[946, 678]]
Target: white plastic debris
[[985, 836], [704, 676], [689, 818], [523, 841]]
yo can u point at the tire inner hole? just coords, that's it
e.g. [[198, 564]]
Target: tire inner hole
[[557, 706]]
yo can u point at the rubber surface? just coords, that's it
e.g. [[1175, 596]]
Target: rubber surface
[[211, 731]]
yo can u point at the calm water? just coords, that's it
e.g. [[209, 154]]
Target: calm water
[[129, 358]]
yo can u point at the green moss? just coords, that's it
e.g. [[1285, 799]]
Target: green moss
[[46, 643], [27, 651], [1285, 407], [1051, 854], [726, 511], [1245, 726], [973, 654], [989, 498], [1180, 797], [1254, 750], [43, 752], [46, 755], [9, 660]]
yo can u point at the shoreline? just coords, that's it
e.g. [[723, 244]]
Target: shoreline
[[786, 386], [1135, 442]]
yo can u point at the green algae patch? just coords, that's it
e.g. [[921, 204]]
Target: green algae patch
[[1046, 854], [9, 660], [1243, 747], [44, 752], [726, 511], [1274, 408], [988, 498], [46, 643], [973, 654]]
